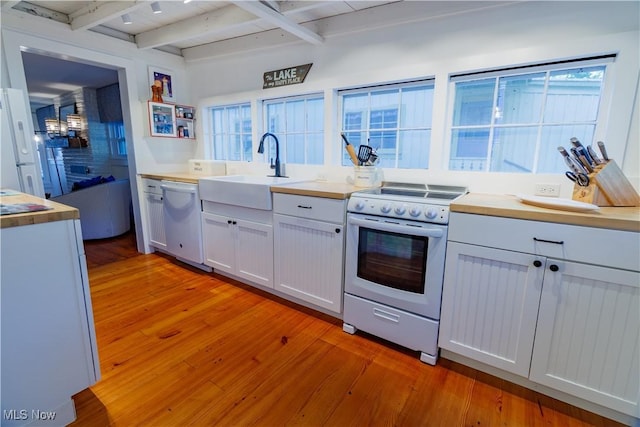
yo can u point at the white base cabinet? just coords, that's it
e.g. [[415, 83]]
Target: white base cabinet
[[49, 350], [155, 212], [536, 306], [587, 334], [309, 249], [241, 247]]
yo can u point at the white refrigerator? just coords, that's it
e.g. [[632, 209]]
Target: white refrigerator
[[20, 163]]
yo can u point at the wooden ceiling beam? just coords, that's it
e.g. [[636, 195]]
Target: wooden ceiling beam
[[100, 12], [276, 18]]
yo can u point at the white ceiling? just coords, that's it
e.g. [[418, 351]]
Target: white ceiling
[[198, 22], [186, 29]]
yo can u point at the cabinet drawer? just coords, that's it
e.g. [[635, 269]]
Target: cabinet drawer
[[596, 246], [330, 210], [151, 186], [403, 328]]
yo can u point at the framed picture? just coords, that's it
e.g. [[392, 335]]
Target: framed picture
[[166, 78]]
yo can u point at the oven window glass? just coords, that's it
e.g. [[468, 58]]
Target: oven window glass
[[392, 259]]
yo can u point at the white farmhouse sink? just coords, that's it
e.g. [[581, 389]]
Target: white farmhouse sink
[[250, 191]]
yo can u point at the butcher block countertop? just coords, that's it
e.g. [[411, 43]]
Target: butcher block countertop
[[58, 211], [328, 190], [173, 176], [509, 206]]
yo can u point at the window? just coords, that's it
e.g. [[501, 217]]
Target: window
[[298, 123], [395, 120], [514, 120], [232, 132], [117, 139]]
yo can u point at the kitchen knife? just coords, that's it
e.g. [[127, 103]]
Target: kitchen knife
[[603, 150], [573, 164], [582, 151], [594, 155], [350, 150], [581, 159]]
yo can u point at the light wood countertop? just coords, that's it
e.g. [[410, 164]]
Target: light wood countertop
[[328, 190], [174, 176], [509, 206], [58, 211]]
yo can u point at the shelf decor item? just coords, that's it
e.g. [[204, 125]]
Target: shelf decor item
[[165, 77], [162, 119]]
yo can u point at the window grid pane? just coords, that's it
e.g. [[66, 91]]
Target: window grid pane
[[232, 132], [514, 123], [395, 122], [298, 124]]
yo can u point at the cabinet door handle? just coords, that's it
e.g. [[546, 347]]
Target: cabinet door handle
[[554, 267], [305, 207], [555, 242], [537, 263]]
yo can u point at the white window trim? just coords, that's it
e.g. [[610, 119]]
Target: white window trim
[[604, 111], [263, 124]]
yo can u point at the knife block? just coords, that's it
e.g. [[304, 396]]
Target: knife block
[[607, 187]]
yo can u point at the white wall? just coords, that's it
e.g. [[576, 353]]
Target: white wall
[[22, 32], [521, 33]]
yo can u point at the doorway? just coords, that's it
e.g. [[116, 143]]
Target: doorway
[[57, 87]]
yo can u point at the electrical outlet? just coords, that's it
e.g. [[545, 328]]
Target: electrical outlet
[[549, 190], [322, 177]]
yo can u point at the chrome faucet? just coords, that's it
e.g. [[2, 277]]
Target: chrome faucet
[[272, 165]]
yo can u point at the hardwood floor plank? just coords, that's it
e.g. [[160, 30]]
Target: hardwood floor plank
[[182, 347]]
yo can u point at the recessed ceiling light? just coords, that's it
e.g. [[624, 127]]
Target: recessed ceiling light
[[155, 6], [187, 1], [126, 19]]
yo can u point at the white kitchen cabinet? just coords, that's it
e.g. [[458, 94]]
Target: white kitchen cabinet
[[542, 301], [49, 350], [490, 305], [240, 247], [587, 334], [309, 253], [155, 212]]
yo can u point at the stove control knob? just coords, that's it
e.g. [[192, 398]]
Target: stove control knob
[[386, 208], [359, 205], [415, 211], [400, 210], [431, 213]]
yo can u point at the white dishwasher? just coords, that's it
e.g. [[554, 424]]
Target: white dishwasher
[[182, 223]]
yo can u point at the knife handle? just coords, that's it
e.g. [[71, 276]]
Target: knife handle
[[594, 155], [585, 163], [603, 150]]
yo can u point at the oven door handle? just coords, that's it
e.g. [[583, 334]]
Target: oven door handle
[[396, 228]]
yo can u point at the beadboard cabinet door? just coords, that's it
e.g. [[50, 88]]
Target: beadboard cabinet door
[[587, 341], [239, 247], [155, 216], [490, 304], [308, 262]]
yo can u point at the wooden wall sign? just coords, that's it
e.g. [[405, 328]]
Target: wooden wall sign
[[285, 76]]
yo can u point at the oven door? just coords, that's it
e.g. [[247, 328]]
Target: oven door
[[396, 262]]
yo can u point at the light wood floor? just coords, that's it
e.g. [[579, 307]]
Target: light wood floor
[[180, 347]]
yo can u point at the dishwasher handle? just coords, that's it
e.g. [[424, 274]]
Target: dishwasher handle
[[179, 188]]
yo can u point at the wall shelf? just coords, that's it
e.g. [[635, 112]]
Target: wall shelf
[[171, 120]]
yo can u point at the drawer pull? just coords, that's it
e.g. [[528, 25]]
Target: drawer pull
[[305, 207], [555, 242], [386, 315]]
